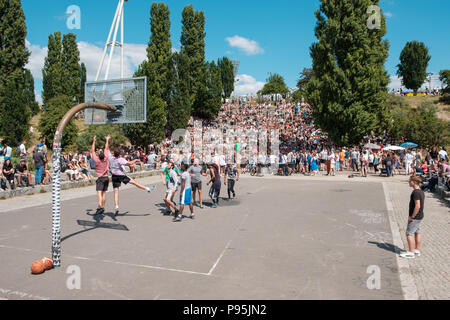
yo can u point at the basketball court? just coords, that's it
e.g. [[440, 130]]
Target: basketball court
[[280, 239]]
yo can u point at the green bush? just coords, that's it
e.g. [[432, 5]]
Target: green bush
[[16, 160], [445, 99], [84, 140], [420, 125], [56, 108]]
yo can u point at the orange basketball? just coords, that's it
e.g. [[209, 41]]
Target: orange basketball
[[48, 263], [37, 267]]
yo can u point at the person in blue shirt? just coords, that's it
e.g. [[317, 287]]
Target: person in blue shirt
[[309, 161], [314, 164]]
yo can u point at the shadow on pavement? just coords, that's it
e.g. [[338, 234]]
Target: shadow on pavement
[[387, 246]]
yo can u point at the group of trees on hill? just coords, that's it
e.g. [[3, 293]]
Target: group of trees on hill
[[347, 84]]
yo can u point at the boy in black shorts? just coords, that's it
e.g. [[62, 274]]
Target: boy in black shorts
[[101, 168], [116, 163]]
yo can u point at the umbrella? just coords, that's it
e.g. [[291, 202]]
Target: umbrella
[[409, 145], [372, 146], [394, 148]]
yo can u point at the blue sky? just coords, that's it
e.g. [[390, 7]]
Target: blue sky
[[266, 36]]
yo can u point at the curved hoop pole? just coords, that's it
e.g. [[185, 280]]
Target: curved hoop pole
[[56, 179]]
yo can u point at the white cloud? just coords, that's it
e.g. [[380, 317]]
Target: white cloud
[[247, 85], [388, 14], [36, 60], [91, 55], [250, 47], [38, 97]]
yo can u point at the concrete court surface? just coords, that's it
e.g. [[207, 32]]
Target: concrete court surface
[[279, 239]]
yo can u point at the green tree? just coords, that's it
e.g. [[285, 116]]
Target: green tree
[[413, 65], [84, 140], [179, 100], [305, 77], [425, 128], [209, 94], [52, 73], [348, 89], [14, 109], [227, 74], [71, 67], [193, 46], [275, 85], [155, 68], [444, 76], [30, 96], [56, 108], [159, 48], [62, 72], [154, 130], [82, 82]]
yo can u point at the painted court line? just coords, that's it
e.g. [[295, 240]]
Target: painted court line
[[407, 281], [115, 262], [228, 245]]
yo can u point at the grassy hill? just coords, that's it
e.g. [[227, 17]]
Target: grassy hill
[[443, 109]]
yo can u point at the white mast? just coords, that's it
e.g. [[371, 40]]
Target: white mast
[[118, 21]]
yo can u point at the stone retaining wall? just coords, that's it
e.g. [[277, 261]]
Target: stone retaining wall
[[65, 185]]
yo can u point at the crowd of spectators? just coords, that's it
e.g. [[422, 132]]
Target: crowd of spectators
[[303, 149]]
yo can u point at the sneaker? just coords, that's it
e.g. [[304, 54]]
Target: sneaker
[[417, 253], [116, 212], [192, 216], [150, 189], [168, 213], [99, 211], [214, 206], [408, 255], [179, 218], [201, 206]]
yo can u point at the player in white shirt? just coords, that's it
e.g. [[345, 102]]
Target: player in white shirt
[[185, 193]]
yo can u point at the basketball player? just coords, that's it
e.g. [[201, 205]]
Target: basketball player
[[116, 163]]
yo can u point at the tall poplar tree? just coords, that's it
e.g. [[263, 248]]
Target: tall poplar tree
[[156, 69], [179, 100], [14, 111], [227, 74], [348, 89], [71, 67], [193, 46], [52, 73], [82, 82], [159, 48], [209, 94], [62, 70], [30, 96]]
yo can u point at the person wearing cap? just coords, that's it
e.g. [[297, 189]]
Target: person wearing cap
[[22, 172], [39, 160]]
